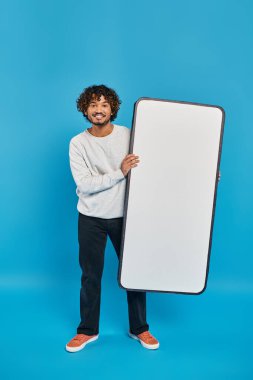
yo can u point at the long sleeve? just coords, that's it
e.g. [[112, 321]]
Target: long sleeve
[[86, 182]]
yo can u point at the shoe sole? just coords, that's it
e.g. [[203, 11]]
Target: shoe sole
[[79, 348], [149, 346]]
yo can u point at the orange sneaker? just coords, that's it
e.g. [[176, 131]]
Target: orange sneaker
[[79, 342], [146, 339]]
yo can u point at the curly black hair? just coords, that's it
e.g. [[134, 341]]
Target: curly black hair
[[96, 91]]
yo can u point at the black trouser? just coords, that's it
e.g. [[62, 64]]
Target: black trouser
[[92, 237]]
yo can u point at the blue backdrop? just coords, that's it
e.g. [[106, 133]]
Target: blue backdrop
[[197, 51]]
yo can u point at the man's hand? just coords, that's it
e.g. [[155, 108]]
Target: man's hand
[[129, 162]]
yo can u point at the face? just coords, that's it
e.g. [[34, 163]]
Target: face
[[99, 111]]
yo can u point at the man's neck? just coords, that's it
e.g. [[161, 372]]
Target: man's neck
[[101, 130]]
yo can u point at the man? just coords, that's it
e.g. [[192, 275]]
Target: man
[[99, 163]]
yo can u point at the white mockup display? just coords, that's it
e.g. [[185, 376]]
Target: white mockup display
[[170, 196]]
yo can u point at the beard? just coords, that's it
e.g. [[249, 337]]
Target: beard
[[99, 122]]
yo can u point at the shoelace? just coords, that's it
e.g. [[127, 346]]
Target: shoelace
[[78, 337], [147, 335]]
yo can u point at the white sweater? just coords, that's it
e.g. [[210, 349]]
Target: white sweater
[[95, 165]]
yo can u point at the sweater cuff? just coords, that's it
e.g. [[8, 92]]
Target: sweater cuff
[[118, 174]]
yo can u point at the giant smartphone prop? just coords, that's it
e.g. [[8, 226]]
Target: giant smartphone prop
[[170, 196]]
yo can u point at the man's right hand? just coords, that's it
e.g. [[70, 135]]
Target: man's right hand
[[129, 162]]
